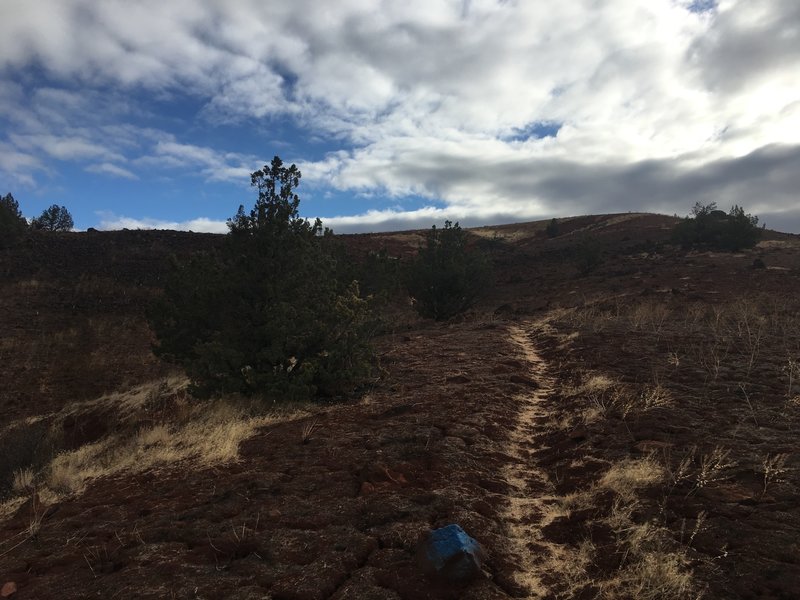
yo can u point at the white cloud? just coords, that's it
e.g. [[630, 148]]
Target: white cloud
[[63, 147], [109, 221], [390, 220], [216, 166], [373, 220], [656, 101], [18, 167], [111, 169]]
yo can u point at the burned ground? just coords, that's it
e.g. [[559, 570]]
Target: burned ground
[[626, 432]]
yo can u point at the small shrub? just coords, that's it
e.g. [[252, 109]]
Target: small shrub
[[588, 256], [23, 480], [553, 229], [446, 277], [22, 448]]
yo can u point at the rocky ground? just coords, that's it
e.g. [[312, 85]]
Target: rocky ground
[[628, 432]]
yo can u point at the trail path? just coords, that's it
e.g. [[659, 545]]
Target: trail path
[[531, 488]]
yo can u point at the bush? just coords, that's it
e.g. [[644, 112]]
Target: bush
[[553, 229], [588, 256], [12, 223], [446, 277], [27, 446], [54, 218], [713, 229], [265, 315], [380, 275]]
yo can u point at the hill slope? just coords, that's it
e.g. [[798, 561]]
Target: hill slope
[[628, 432]]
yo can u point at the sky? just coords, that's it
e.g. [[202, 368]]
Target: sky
[[400, 114]]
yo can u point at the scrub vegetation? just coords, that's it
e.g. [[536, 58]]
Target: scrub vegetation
[[616, 428]]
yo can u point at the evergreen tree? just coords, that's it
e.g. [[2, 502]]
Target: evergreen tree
[[713, 229], [54, 218], [266, 315], [447, 278], [12, 223]]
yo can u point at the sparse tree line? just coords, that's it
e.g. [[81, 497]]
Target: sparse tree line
[[706, 228], [282, 312], [13, 224], [716, 230]]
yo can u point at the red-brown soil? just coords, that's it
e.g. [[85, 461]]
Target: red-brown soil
[[437, 439]]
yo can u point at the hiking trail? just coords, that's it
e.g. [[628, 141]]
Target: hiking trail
[[532, 490]]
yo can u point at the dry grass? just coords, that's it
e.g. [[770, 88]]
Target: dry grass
[[193, 434], [511, 234], [594, 388], [628, 477], [740, 356], [656, 575], [563, 506], [35, 519], [653, 565], [9, 507], [649, 316], [774, 469], [714, 467], [594, 384], [606, 397], [210, 436], [23, 480], [308, 429]]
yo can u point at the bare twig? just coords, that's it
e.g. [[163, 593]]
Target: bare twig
[[750, 404]]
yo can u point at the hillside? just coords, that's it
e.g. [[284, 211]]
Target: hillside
[[630, 431]]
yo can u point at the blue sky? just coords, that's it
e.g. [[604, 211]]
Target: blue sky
[[152, 114]]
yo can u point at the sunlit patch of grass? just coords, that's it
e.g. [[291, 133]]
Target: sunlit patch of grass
[[627, 477], [208, 437], [654, 575], [195, 435]]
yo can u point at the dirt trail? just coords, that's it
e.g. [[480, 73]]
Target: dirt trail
[[531, 488]]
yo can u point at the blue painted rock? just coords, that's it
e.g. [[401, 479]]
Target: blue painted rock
[[449, 555]]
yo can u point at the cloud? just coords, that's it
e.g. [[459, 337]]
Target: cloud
[[63, 147], [662, 185], [749, 43], [111, 169], [389, 220], [110, 221], [59, 125], [527, 189], [18, 167], [216, 166], [385, 220], [516, 109]]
